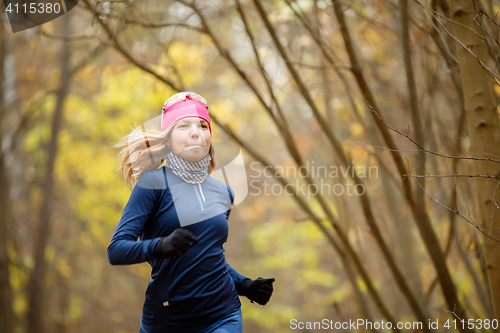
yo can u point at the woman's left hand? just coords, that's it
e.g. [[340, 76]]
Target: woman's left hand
[[259, 290]]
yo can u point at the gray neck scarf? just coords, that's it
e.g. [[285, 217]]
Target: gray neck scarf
[[190, 172]]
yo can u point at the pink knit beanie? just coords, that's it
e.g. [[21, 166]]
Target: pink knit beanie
[[182, 109]]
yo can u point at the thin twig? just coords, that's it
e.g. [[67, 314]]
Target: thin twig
[[154, 25], [423, 148], [320, 67], [458, 213], [472, 136], [61, 37], [452, 175]]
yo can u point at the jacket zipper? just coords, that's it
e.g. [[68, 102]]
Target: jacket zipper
[[198, 196]]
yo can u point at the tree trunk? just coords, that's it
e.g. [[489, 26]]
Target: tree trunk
[[6, 314], [37, 277], [483, 124]]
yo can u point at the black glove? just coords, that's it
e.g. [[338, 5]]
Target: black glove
[[259, 290], [175, 244]]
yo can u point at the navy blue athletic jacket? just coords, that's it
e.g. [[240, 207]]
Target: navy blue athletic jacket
[[199, 286]]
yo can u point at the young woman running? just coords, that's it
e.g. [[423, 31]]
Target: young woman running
[[180, 214]]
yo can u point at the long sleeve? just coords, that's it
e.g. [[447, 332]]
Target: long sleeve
[[124, 248], [237, 278]]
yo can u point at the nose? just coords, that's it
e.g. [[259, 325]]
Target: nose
[[195, 134]]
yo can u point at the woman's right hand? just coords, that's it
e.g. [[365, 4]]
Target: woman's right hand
[[175, 245]]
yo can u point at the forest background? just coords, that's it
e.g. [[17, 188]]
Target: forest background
[[409, 89]]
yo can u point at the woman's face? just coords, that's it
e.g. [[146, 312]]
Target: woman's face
[[190, 138]]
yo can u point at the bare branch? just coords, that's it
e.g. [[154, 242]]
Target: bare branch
[[61, 37], [452, 175], [432, 11], [127, 55], [486, 68], [155, 25], [462, 216], [421, 147]]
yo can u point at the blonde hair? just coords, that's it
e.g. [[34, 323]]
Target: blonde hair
[[145, 149]]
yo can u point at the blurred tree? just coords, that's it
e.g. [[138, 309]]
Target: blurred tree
[[6, 313], [484, 129], [37, 283]]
